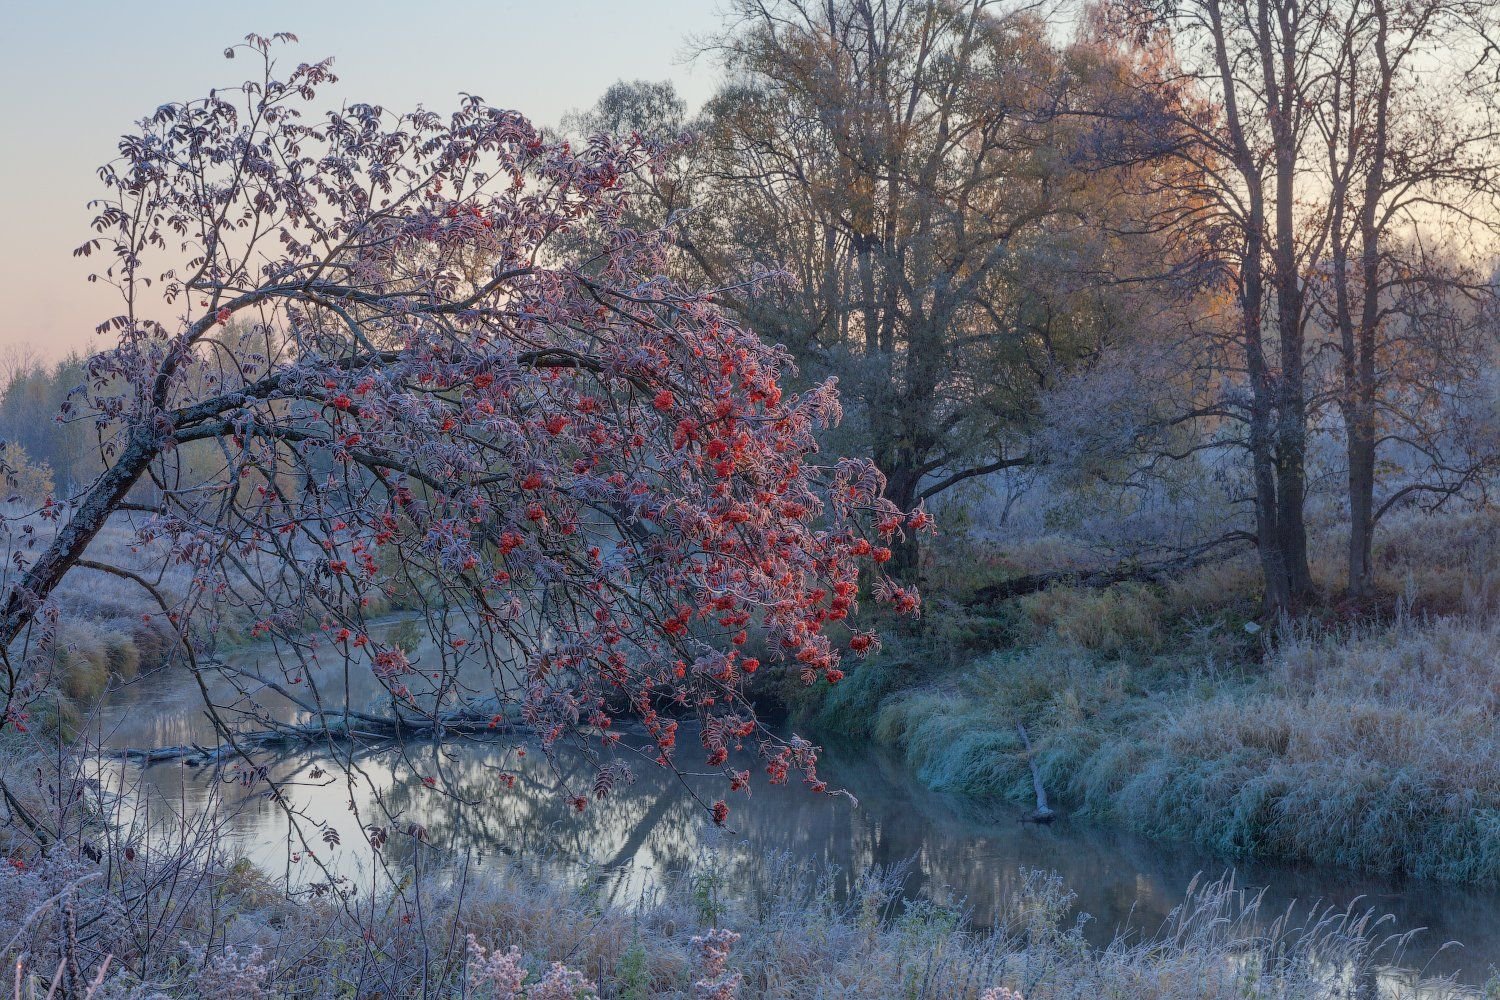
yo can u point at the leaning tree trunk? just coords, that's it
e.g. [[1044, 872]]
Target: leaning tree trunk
[[146, 435], [38, 581]]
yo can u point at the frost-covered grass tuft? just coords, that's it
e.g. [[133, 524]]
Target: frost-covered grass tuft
[[506, 934], [1373, 748], [1362, 741]]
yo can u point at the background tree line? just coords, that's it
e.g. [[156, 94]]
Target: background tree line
[[1166, 248], [1185, 269]]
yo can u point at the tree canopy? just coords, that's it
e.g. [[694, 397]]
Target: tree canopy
[[430, 357]]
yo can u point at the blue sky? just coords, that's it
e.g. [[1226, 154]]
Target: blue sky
[[74, 75]]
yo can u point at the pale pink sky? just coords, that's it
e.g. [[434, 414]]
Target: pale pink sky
[[74, 75]]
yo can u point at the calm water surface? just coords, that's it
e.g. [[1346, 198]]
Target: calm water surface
[[958, 855]]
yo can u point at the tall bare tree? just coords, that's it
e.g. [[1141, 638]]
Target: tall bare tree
[[1409, 129], [1325, 136]]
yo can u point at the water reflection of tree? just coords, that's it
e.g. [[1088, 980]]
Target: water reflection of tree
[[958, 855]]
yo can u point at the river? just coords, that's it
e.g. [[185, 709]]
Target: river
[[958, 853]]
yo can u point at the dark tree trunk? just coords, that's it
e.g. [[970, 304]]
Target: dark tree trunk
[[1291, 401], [1361, 513], [1277, 408], [1276, 560], [902, 481], [1362, 426]]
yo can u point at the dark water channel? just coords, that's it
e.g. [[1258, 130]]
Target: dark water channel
[[958, 855]]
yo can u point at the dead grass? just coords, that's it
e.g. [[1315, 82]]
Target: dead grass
[[1101, 621], [1375, 749]]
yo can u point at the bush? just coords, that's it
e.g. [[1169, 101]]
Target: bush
[[79, 665], [122, 655], [1127, 616]]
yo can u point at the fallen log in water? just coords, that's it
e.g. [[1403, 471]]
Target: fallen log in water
[[330, 727]]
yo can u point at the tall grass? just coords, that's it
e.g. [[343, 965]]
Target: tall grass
[[1374, 748], [1367, 742], [454, 934]]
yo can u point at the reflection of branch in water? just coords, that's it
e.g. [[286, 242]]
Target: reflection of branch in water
[[643, 828]]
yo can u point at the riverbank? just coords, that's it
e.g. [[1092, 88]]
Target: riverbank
[[118, 618], [1345, 739], [1350, 738]]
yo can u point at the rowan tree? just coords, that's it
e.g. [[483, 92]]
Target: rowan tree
[[430, 357]]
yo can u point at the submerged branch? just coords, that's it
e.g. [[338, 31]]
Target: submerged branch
[[335, 726], [1043, 812]]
